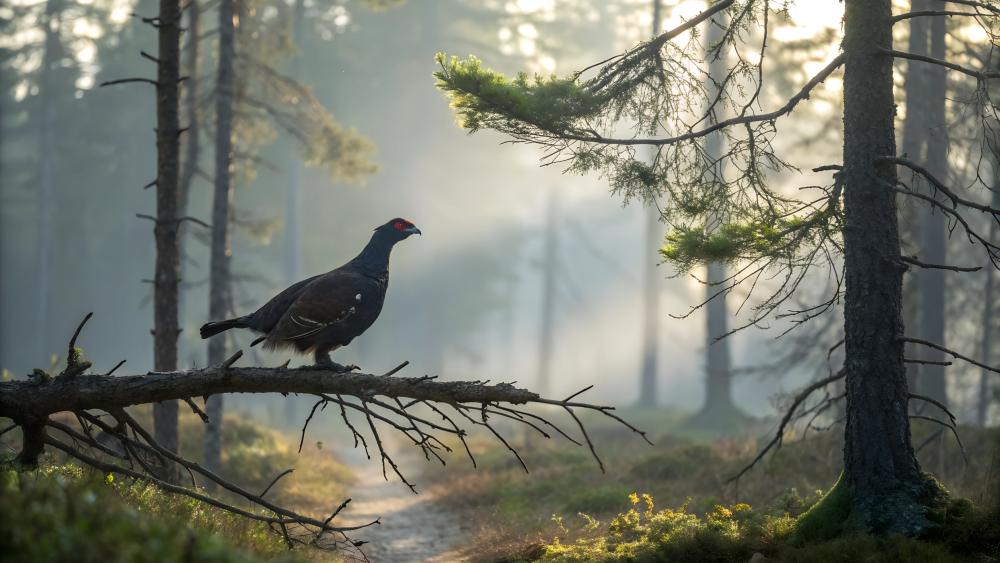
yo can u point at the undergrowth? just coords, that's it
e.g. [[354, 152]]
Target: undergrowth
[[67, 513], [523, 515], [738, 533]]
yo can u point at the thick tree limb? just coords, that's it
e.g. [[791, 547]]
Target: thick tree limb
[[387, 403], [19, 398]]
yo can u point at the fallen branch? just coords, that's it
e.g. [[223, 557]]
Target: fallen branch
[[387, 403]]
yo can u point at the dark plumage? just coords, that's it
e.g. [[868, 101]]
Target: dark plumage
[[325, 312]]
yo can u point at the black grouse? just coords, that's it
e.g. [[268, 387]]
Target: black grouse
[[325, 312]]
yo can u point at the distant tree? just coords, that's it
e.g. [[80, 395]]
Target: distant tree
[[989, 316], [222, 202], [652, 285], [45, 77], [928, 102], [166, 277], [254, 102], [719, 411], [739, 219]]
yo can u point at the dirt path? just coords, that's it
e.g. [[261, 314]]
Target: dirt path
[[415, 528]]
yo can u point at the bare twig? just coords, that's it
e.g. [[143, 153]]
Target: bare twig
[[913, 260], [787, 419], [951, 352]]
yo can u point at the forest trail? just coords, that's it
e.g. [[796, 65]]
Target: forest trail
[[415, 528]]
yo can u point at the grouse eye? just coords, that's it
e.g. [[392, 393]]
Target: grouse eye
[[399, 225]]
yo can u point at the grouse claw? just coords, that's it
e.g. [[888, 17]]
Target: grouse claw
[[324, 361]]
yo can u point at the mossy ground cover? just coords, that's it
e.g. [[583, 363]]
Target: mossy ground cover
[[67, 513], [566, 509], [64, 512]]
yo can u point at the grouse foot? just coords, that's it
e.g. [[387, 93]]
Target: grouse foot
[[323, 360]]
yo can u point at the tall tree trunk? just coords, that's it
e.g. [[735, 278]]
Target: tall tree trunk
[[651, 284], [47, 157], [933, 229], [293, 206], [989, 307], [881, 475], [718, 383], [986, 344], [914, 141], [218, 299], [549, 269], [192, 137], [165, 322]]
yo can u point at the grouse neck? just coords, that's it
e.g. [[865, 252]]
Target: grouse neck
[[374, 258]]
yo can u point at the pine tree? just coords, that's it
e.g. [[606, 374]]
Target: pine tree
[[851, 227]]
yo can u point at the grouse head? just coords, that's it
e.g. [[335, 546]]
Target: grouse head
[[396, 230]]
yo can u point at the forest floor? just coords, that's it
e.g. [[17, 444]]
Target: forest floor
[[415, 527]]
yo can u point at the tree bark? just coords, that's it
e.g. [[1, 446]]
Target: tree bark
[[24, 401], [218, 300], [886, 488], [651, 285], [166, 277], [932, 222]]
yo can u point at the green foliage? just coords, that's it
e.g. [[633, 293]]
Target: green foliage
[[282, 103], [677, 535], [645, 120], [731, 242], [486, 98], [738, 534], [689, 470], [65, 513]]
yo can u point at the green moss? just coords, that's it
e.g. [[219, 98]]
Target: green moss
[[726, 534], [827, 518], [737, 533], [65, 513]]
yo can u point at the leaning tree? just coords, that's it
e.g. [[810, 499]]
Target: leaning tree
[[733, 214]]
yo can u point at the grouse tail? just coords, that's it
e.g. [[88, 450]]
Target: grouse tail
[[211, 329]]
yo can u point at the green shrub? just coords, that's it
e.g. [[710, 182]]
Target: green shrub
[[65, 513]]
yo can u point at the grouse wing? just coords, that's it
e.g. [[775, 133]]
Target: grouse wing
[[332, 310]]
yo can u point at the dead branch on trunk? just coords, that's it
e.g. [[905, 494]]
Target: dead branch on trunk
[[109, 439], [792, 415]]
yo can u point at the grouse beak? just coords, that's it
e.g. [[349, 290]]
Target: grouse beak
[[413, 231]]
